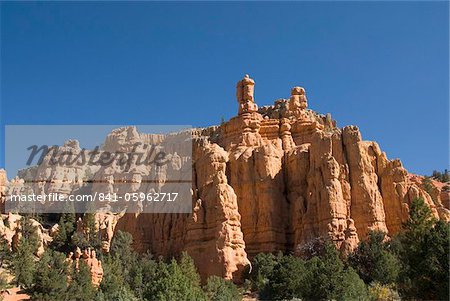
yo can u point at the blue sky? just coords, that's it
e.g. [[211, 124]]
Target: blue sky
[[380, 65]]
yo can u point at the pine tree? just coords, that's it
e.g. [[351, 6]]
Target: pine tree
[[90, 227], [120, 293], [23, 259], [189, 269], [23, 263], [28, 232], [219, 289], [51, 277], [114, 286], [5, 251], [285, 280], [328, 278], [90, 236], [3, 284], [80, 283], [124, 270], [373, 261], [429, 188], [423, 248], [262, 268], [175, 281], [323, 277], [121, 246], [62, 241]]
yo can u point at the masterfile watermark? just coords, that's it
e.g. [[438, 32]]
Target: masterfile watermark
[[150, 154], [99, 168]]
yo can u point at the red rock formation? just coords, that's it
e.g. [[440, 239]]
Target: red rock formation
[[212, 234], [437, 196], [10, 229], [270, 179], [294, 176], [90, 258]]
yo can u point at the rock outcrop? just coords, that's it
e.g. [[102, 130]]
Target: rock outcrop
[[89, 257], [270, 179], [11, 231], [3, 189], [275, 178]]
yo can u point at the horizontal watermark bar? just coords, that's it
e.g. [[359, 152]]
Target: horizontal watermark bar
[[123, 169]]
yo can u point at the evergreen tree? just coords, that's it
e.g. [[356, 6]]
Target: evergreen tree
[[286, 280], [323, 277], [118, 294], [126, 273], [121, 247], [66, 224], [51, 277], [423, 249], [5, 251], [3, 284], [114, 285], [219, 289], [187, 267], [441, 177], [373, 261], [129, 263], [28, 232], [262, 268], [420, 219], [23, 263], [80, 284], [23, 259], [429, 187], [90, 237], [327, 278], [143, 275], [175, 281]]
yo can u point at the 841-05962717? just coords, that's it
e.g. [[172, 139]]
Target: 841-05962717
[[137, 197]]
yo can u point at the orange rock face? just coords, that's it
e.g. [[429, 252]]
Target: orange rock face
[[272, 179], [90, 258], [11, 231]]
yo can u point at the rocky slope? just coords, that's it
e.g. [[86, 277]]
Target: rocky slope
[[270, 179]]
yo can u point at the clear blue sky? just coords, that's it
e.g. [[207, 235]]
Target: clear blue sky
[[380, 65]]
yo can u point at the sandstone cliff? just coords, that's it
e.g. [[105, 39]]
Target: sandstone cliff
[[270, 179], [274, 178]]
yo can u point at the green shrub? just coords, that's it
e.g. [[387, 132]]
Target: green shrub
[[261, 270], [328, 278], [219, 289], [287, 279], [175, 281], [322, 277], [373, 261], [382, 292]]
